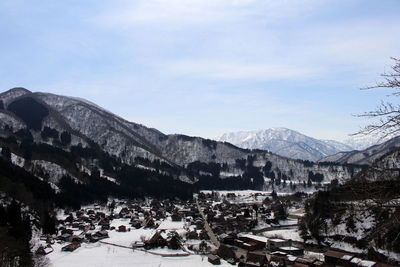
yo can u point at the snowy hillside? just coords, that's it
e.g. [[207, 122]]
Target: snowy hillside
[[363, 213]]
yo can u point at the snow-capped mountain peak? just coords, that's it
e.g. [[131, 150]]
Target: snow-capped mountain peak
[[285, 142]]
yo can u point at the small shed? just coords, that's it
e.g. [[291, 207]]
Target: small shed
[[71, 247], [44, 250]]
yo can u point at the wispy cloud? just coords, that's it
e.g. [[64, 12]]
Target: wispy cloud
[[249, 39], [125, 14], [236, 70]]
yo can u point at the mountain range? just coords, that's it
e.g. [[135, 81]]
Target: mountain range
[[33, 125], [292, 144]]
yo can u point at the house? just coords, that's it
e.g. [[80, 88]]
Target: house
[[67, 231], [157, 240], [44, 250], [122, 228], [227, 239], [124, 213], [192, 235], [252, 242], [71, 247], [136, 223], [255, 259], [176, 217], [214, 259], [91, 238], [199, 223], [226, 252], [99, 235], [204, 235], [333, 257], [296, 264], [65, 237], [277, 259], [76, 238], [105, 224], [149, 223]]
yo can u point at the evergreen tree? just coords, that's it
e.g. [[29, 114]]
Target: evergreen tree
[[65, 138], [6, 153]]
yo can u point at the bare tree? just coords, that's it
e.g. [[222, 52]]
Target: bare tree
[[387, 113]]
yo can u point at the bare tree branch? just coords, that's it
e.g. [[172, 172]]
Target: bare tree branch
[[388, 113]]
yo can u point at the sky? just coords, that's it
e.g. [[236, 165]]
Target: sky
[[205, 67]]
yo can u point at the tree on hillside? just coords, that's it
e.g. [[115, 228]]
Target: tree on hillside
[[387, 113]]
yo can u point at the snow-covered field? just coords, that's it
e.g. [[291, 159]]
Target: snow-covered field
[[99, 255]]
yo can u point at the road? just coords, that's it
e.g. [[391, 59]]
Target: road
[[209, 231]]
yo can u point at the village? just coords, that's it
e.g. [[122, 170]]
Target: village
[[215, 228]]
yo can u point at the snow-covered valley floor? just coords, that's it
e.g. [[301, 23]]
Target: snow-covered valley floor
[[99, 255]]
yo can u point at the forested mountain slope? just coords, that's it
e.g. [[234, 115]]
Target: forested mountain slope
[[363, 213]]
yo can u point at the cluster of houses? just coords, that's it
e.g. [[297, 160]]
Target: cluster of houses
[[255, 251], [93, 224], [229, 222]]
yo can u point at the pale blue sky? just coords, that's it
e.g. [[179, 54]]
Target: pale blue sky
[[204, 67]]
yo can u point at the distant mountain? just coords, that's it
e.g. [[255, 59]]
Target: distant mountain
[[285, 142], [363, 142], [366, 156]]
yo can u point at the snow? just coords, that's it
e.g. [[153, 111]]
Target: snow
[[255, 237], [166, 252], [14, 122], [17, 160], [314, 255], [288, 222], [99, 255], [346, 247], [292, 234], [168, 224], [130, 237], [365, 263], [290, 248], [54, 171], [236, 192], [109, 178]]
